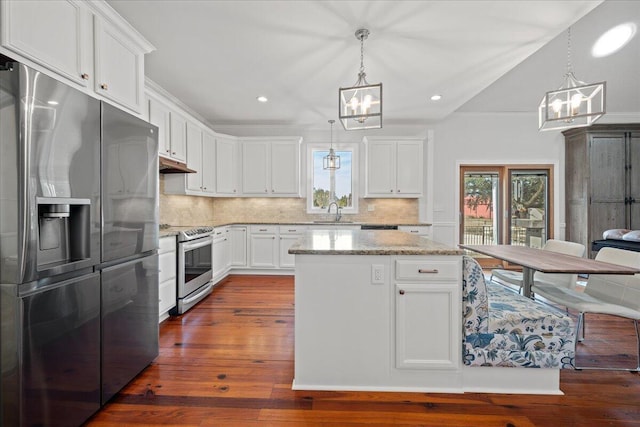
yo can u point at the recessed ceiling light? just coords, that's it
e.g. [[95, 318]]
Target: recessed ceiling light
[[436, 97], [613, 40], [262, 98], [52, 102]]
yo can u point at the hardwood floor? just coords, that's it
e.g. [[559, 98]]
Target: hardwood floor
[[229, 362]]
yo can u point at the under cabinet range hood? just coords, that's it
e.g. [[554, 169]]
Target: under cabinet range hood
[[173, 166]]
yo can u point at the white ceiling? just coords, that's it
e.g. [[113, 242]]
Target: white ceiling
[[218, 56]]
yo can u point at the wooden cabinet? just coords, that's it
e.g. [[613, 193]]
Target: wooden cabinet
[[263, 246], [86, 43], [167, 275], [602, 180], [238, 237], [289, 234], [427, 313], [271, 167], [226, 166], [394, 167]]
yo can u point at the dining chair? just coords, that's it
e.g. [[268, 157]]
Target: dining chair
[[610, 294], [553, 245]]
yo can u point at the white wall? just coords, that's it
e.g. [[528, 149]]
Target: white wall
[[488, 138]]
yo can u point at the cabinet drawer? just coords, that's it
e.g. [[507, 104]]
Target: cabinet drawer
[[428, 270], [220, 232], [167, 263], [167, 244], [420, 230], [264, 229], [293, 229]]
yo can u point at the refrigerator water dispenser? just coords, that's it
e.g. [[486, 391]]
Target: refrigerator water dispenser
[[63, 231]]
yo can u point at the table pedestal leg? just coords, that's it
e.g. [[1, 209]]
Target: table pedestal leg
[[527, 281]]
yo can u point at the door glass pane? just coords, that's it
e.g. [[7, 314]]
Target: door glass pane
[[480, 211], [529, 208]]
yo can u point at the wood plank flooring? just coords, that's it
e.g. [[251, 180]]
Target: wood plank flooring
[[229, 362]]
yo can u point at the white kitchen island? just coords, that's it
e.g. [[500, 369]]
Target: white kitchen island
[[381, 311]]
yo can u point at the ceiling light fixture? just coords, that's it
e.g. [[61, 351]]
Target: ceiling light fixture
[[436, 97], [331, 160], [613, 40], [262, 99], [575, 104], [360, 106]]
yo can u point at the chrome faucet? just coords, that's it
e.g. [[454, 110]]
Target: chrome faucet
[[338, 208]]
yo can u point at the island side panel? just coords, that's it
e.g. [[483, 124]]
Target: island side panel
[[342, 322]]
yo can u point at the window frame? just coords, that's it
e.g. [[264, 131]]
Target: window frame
[[355, 171]]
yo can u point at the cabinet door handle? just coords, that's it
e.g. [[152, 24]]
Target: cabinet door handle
[[391, 191], [398, 191], [413, 231], [173, 152], [266, 191], [426, 271], [104, 86], [168, 151], [262, 229], [401, 292], [84, 76], [273, 238]]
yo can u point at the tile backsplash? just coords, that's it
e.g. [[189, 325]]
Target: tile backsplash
[[192, 210]]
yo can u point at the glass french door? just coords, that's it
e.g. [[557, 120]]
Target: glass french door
[[505, 204], [529, 211]]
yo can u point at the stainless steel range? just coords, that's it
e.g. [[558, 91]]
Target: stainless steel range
[[194, 266]]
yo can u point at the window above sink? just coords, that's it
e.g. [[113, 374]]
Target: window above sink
[[344, 180]]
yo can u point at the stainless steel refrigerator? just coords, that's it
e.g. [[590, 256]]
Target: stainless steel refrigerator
[[78, 283], [129, 260], [49, 247]]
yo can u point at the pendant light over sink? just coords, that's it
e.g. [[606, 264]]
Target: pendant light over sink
[[361, 104], [331, 161]]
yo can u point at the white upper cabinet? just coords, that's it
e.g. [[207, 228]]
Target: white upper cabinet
[[119, 66], [55, 34], [255, 170], [194, 157], [178, 136], [160, 115], [172, 130], [394, 167], [86, 43], [208, 171], [271, 167], [226, 166]]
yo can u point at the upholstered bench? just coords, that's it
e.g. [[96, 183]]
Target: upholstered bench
[[502, 328]]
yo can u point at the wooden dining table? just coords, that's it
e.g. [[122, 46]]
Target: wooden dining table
[[532, 260]]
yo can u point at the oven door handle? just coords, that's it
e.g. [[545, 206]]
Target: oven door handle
[[203, 291], [188, 246]]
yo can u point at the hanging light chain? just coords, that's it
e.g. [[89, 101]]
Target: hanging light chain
[[332, 122], [362, 53], [569, 65]]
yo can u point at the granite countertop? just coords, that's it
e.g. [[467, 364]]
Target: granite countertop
[[168, 231], [365, 242]]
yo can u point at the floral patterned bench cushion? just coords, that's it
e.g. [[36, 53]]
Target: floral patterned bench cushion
[[502, 328]]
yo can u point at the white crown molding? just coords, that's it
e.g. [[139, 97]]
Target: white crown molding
[[102, 8]]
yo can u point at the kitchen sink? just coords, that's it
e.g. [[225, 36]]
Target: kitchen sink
[[333, 222]]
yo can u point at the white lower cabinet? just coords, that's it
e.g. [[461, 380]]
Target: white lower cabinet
[[263, 246], [427, 313], [221, 253], [238, 237], [289, 234], [167, 275]]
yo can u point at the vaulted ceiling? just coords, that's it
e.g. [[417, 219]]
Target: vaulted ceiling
[[218, 56]]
